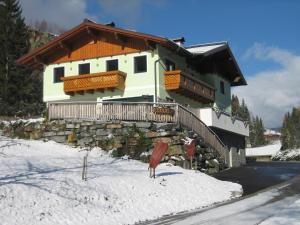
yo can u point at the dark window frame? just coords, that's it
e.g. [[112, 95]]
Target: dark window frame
[[170, 63], [81, 69], [141, 68], [56, 75], [222, 87], [116, 67]]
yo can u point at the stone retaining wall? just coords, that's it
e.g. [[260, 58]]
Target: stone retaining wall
[[135, 139]]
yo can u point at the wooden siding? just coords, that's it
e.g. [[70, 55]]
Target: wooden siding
[[189, 86], [95, 81], [87, 47]]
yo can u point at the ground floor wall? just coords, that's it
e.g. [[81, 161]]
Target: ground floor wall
[[236, 144]]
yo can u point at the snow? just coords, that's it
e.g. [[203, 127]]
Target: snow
[[270, 150], [287, 155], [271, 132], [200, 49], [31, 120], [257, 209], [40, 183]]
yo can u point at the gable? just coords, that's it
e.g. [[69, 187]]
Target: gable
[[86, 47]]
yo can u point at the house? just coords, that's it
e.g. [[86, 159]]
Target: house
[[101, 63], [263, 153], [272, 136]]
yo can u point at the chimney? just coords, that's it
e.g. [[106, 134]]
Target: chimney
[[111, 24], [180, 41]]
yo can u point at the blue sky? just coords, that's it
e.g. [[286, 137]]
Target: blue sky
[[242, 23], [263, 34]]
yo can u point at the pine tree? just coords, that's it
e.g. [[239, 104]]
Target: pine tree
[[256, 127], [290, 132], [20, 90]]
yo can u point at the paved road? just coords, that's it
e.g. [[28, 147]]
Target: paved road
[[258, 204], [259, 175]]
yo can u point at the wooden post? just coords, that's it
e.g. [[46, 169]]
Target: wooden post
[[84, 168]]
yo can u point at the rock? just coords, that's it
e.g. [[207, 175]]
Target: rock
[[72, 138], [114, 126], [85, 134], [175, 150], [29, 127], [172, 161], [84, 141], [163, 139], [60, 133], [35, 135], [166, 133], [151, 134], [165, 126], [49, 134], [101, 132], [58, 139], [72, 126], [87, 123], [143, 124]]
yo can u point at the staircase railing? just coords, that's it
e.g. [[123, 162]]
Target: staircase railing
[[191, 121]]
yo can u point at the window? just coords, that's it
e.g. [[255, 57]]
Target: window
[[170, 66], [140, 64], [84, 68], [58, 73], [112, 65], [222, 87]]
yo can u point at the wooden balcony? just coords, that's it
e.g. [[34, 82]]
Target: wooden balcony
[[94, 82], [189, 86]]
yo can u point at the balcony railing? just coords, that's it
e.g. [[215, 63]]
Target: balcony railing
[[94, 82], [189, 86]]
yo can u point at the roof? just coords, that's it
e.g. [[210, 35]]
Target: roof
[[268, 150], [98, 27], [34, 58], [206, 49], [216, 49]]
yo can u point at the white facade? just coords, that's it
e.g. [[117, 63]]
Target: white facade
[[222, 121]]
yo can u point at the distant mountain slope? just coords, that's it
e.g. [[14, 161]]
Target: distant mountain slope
[[39, 38]]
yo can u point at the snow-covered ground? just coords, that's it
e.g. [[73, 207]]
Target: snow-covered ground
[[40, 183], [271, 150], [288, 155], [259, 209]]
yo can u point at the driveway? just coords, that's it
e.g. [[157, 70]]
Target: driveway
[[256, 176]]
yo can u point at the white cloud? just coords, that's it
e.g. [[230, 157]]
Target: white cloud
[[64, 13], [69, 13], [271, 93]]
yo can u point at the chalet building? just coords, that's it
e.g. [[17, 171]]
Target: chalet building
[[102, 65]]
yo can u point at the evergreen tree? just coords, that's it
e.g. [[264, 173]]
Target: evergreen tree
[[20, 88], [256, 127], [290, 132]]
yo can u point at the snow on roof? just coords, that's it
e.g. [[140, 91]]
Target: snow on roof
[[271, 132], [204, 48], [268, 150]]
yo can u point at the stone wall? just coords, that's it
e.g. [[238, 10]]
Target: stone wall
[[135, 139]]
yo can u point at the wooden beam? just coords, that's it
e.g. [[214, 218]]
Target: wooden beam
[[90, 91], [149, 44], [65, 47], [92, 34]]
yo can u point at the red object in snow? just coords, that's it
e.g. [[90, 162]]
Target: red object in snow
[[158, 153], [191, 148]]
